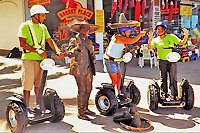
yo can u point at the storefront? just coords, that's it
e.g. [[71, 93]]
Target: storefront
[[99, 12], [64, 13]]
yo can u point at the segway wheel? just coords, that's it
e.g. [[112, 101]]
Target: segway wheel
[[135, 94], [152, 97], [106, 102], [59, 110], [53, 102], [189, 98], [16, 117]]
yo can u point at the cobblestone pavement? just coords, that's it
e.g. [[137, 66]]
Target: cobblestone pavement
[[172, 119]]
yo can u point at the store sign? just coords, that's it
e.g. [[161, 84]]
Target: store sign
[[99, 20], [78, 13], [185, 10], [34, 2]]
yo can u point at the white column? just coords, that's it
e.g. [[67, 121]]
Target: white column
[[98, 4]]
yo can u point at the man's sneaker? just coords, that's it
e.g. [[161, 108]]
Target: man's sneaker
[[37, 110], [29, 113], [46, 111]]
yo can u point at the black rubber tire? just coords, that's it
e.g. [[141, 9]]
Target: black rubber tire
[[20, 117], [106, 102], [152, 97], [189, 98], [53, 102], [59, 110], [135, 94]]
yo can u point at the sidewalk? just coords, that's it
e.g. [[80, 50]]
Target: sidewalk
[[164, 120]]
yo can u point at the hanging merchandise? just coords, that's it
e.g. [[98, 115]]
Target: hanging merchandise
[[132, 3], [163, 4], [143, 7], [125, 6], [120, 5], [96, 48], [166, 5], [114, 7], [170, 17], [176, 6], [150, 13], [137, 10]]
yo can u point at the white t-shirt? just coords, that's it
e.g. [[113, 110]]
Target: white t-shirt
[[115, 49]]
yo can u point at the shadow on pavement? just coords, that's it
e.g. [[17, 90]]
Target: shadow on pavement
[[177, 118], [9, 84], [10, 69], [62, 127], [173, 117], [106, 121]]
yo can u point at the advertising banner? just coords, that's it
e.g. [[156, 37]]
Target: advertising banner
[[185, 10], [78, 12], [99, 20]]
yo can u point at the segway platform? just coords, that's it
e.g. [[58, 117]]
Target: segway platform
[[166, 102], [186, 96], [39, 118]]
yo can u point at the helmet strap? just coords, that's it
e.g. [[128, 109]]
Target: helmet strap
[[163, 33], [38, 19]]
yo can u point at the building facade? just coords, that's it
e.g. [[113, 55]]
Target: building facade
[[14, 12]]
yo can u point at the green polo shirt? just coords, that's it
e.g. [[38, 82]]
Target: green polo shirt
[[24, 32], [170, 40]]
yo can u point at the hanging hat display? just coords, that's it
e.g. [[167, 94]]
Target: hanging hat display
[[123, 22]]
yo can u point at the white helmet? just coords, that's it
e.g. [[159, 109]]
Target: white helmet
[[37, 9]]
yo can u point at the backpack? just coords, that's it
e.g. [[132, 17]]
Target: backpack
[[14, 53]]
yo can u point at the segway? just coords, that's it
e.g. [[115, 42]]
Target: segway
[[16, 113], [185, 98], [106, 100]]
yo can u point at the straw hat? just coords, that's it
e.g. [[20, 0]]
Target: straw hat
[[123, 22], [76, 27]]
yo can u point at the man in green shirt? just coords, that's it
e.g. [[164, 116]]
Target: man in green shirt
[[164, 43], [33, 36]]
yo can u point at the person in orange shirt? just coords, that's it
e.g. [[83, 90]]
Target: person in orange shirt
[[116, 47]]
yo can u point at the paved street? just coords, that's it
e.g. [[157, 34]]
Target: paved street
[[171, 119]]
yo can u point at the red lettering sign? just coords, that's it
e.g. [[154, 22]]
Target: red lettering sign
[[78, 13]]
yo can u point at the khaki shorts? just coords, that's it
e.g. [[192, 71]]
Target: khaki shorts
[[31, 74]]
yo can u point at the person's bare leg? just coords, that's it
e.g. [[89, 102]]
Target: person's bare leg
[[119, 78], [114, 78], [36, 90], [26, 97]]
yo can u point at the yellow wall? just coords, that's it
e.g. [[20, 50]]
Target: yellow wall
[[12, 15]]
